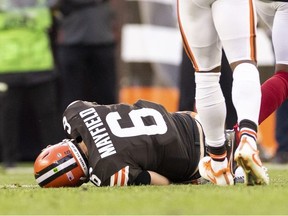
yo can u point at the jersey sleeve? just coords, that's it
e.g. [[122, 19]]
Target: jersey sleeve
[[123, 177], [120, 178]]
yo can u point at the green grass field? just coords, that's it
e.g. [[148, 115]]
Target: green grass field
[[19, 195]]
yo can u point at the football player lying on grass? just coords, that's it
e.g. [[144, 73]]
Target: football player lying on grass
[[140, 144], [123, 144]]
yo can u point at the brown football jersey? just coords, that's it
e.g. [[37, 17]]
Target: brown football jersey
[[124, 140]]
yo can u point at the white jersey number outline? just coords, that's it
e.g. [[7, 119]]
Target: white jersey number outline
[[66, 125], [139, 127]]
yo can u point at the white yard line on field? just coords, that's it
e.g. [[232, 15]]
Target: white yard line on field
[[17, 186]]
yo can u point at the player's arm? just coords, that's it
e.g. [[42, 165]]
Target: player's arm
[[150, 178], [121, 178], [157, 179]]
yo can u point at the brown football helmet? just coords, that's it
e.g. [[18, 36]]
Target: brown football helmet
[[61, 165]]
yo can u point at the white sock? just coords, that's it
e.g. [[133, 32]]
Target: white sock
[[246, 92], [211, 108]]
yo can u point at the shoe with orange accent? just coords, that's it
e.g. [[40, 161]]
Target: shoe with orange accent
[[223, 177], [248, 158]]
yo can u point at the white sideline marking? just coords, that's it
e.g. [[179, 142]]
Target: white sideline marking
[[16, 186], [19, 170]]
